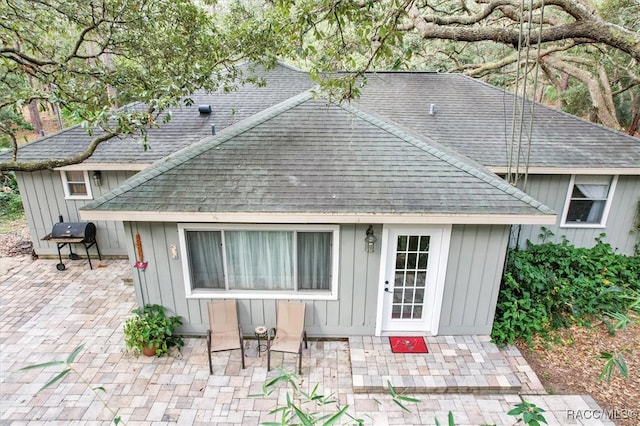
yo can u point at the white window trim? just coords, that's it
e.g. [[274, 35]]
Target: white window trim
[[190, 293], [605, 213], [65, 186]]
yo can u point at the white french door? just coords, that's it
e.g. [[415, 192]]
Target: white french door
[[412, 278]]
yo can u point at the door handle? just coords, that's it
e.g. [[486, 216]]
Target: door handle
[[386, 283]]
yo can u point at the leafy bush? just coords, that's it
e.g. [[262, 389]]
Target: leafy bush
[[553, 285], [10, 201], [151, 327]]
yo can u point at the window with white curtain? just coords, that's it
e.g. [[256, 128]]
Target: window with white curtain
[[259, 261], [588, 201], [76, 185]]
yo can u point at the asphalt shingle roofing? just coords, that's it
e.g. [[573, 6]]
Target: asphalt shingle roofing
[[308, 156], [186, 127], [475, 119]]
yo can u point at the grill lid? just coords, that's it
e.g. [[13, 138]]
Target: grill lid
[[86, 230]]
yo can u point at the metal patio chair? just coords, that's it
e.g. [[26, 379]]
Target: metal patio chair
[[289, 333], [225, 333]]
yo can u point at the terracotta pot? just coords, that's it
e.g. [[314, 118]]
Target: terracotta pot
[[149, 350]]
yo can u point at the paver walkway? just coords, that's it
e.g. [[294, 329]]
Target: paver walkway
[[45, 314]]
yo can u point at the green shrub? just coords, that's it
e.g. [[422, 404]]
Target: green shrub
[[554, 285], [10, 201]]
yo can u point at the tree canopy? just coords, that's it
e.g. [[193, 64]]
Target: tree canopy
[[595, 44], [89, 57]]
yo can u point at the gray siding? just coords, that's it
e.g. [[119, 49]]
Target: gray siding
[[354, 313], [474, 272], [45, 202], [552, 191]]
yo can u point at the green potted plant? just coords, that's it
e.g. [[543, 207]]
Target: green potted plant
[[151, 332]]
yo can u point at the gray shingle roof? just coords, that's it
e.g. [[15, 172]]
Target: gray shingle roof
[[307, 156], [186, 126], [475, 119]]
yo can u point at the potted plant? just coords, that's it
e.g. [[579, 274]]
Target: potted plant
[[151, 332]]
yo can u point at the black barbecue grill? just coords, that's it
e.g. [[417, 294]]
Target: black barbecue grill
[[68, 233]]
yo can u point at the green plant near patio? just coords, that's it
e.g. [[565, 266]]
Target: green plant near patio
[[531, 413], [301, 407], [69, 368], [150, 326], [555, 285]]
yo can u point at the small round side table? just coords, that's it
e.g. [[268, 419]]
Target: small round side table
[[261, 333]]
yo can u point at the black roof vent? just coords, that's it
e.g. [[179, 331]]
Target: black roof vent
[[204, 109]]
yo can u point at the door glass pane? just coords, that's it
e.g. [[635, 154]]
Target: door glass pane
[[410, 279], [399, 279], [413, 242], [406, 311], [395, 311], [412, 259], [417, 312], [402, 242]]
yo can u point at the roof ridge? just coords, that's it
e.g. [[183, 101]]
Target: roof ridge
[[467, 166]]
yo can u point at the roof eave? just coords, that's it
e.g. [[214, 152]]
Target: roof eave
[[570, 170], [277, 217]]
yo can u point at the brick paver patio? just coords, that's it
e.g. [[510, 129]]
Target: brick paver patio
[[45, 314]]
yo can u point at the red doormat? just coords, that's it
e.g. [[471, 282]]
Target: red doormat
[[411, 345]]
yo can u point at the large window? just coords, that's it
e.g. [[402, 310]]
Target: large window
[[588, 201], [260, 261], [76, 184]]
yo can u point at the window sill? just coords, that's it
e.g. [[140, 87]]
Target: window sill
[[583, 225], [266, 295], [78, 197]]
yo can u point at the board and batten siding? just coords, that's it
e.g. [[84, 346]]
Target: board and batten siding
[[43, 200], [472, 283], [354, 313], [474, 273], [552, 191]]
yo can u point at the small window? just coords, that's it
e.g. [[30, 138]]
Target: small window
[[260, 261], [76, 185], [588, 201]]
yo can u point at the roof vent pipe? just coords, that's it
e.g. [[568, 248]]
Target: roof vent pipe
[[432, 109], [213, 129], [204, 109]]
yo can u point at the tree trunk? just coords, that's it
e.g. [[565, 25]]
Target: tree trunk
[[34, 118]]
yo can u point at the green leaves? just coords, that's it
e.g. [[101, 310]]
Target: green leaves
[[613, 361], [550, 285], [150, 326], [531, 414], [68, 364]]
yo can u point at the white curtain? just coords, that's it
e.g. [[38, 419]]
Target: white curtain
[[205, 259], [314, 260], [259, 260], [597, 194]]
